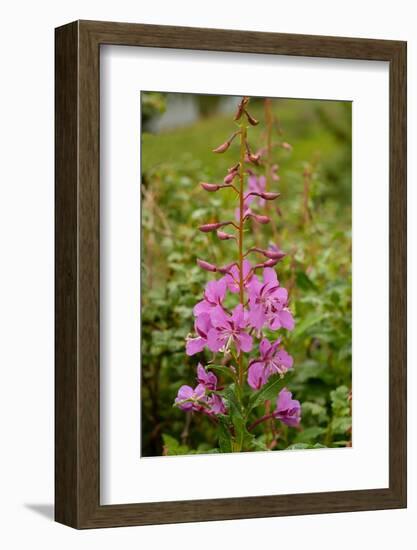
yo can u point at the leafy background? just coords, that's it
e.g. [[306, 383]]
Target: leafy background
[[312, 224]]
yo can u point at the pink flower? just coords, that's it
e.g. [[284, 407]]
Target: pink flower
[[189, 399], [273, 360], [288, 410], [228, 329], [206, 378], [202, 326], [215, 404], [232, 278], [246, 209], [213, 296], [256, 184], [268, 303]]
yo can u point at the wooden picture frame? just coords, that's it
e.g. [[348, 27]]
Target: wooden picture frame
[[77, 405]]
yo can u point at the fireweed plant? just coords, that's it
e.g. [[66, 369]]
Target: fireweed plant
[[237, 312]]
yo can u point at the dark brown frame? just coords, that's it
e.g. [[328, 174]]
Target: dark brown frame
[[77, 274]]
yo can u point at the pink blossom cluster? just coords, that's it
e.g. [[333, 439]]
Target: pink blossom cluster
[[263, 304], [221, 330], [202, 398]]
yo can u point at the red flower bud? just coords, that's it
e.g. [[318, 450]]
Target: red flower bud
[[230, 177], [271, 254], [225, 146], [226, 268], [254, 158], [225, 236], [206, 228], [252, 121], [234, 168], [270, 263], [275, 255], [264, 195], [222, 148], [206, 265], [258, 217], [211, 187], [269, 196], [241, 107]]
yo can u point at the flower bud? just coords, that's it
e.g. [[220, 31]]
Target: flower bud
[[241, 108], [269, 196], [264, 195], [222, 148], [211, 187], [225, 236], [206, 266], [254, 158], [286, 146], [252, 121], [271, 263], [268, 263], [225, 146], [258, 218], [273, 254], [206, 228], [234, 168], [230, 177], [226, 268]]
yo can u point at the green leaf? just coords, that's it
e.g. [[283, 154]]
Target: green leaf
[[173, 447], [268, 391], [309, 434], [225, 371], [225, 440], [236, 414], [341, 424], [303, 281], [307, 323], [340, 401]]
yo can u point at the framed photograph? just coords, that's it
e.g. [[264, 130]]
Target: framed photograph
[[230, 274]]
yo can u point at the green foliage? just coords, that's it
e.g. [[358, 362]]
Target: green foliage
[[317, 272], [268, 391]]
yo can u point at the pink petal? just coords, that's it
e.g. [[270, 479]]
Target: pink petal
[[281, 294], [185, 392], [284, 399], [256, 317], [264, 346], [275, 345], [203, 323], [256, 376], [213, 342], [285, 359], [202, 307], [218, 317], [286, 319], [238, 316], [194, 345], [270, 276], [245, 342]]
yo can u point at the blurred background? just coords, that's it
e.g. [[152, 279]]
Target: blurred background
[[312, 224]]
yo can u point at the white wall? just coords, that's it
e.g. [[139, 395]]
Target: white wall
[[26, 271]]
